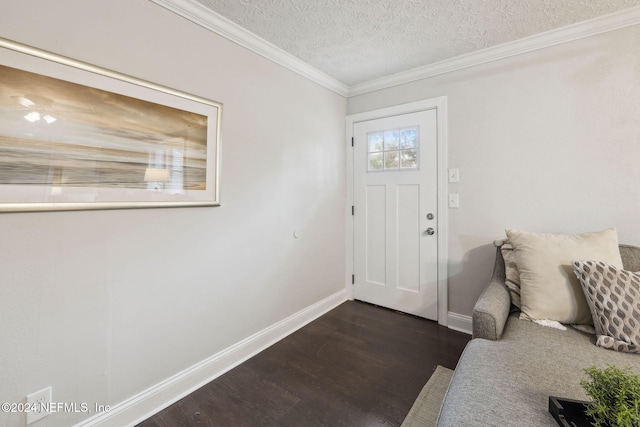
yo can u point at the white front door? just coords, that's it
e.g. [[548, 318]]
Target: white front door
[[395, 213]]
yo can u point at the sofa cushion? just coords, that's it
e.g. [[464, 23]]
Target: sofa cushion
[[508, 382], [613, 296], [549, 289]]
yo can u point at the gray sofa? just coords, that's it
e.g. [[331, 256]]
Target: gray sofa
[[511, 366]]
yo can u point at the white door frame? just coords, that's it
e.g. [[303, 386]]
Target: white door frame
[[440, 105]]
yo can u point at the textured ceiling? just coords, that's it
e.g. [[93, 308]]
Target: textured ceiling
[[355, 41]]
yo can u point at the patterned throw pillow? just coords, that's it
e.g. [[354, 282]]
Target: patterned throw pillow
[[512, 280], [613, 295]]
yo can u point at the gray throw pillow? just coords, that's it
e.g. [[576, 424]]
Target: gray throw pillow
[[613, 295], [512, 275]]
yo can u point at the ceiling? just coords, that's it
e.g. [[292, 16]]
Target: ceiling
[[355, 41]]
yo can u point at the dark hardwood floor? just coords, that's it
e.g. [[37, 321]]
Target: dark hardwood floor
[[357, 365]]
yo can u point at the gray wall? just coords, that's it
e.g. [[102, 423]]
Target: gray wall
[[547, 141], [104, 304]]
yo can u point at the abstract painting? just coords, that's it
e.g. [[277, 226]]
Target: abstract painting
[[117, 142]]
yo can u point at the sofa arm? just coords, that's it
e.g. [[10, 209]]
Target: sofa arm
[[491, 311]]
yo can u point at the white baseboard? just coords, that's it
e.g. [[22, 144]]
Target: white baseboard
[[141, 406], [459, 322]]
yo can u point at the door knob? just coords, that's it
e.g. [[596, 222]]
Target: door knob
[[430, 231]]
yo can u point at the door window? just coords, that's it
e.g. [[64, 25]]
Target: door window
[[392, 150]]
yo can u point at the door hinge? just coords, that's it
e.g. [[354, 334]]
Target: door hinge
[[352, 141], [353, 279], [353, 210]]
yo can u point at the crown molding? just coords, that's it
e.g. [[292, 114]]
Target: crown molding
[[212, 21], [614, 21], [206, 18]]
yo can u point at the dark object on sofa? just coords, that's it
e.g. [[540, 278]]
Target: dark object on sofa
[[569, 412]]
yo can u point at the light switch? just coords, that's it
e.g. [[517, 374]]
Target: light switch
[[454, 175], [454, 201]]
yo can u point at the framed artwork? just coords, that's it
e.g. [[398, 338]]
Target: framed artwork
[[74, 136]]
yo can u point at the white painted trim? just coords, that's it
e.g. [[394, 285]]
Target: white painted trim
[[460, 322], [141, 406], [349, 201], [614, 21], [440, 104], [443, 210], [212, 21]]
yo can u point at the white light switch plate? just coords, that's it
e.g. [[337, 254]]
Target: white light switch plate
[[454, 175], [454, 201]]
